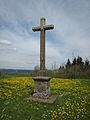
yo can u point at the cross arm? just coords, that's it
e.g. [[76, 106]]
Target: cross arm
[[48, 27], [36, 28]]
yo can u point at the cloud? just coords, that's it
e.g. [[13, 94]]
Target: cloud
[[70, 35], [5, 42], [14, 49]]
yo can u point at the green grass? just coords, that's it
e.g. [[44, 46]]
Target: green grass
[[72, 103]]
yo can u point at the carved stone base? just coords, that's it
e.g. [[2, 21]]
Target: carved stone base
[[42, 87]]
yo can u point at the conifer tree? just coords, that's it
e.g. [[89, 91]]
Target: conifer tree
[[86, 63], [68, 64], [74, 61]]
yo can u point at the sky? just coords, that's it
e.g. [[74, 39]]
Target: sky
[[20, 46]]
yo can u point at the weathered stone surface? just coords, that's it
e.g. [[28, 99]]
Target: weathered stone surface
[[42, 87], [49, 100], [42, 78]]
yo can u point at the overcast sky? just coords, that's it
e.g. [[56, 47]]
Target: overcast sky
[[20, 46]]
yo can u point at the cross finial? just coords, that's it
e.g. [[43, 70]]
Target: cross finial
[[43, 18], [42, 22]]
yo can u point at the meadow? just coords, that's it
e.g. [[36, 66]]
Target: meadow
[[73, 100]]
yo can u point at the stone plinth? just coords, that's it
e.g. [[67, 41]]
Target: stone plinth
[[49, 100], [42, 87], [42, 90]]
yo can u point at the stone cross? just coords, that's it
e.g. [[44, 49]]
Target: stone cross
[[42, 29]]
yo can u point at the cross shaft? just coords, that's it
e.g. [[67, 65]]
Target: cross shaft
[[42, 29]]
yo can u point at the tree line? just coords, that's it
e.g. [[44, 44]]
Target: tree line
[[78, 68], [79, 63]]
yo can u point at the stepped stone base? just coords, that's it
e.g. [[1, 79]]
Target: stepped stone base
[[49, 100]]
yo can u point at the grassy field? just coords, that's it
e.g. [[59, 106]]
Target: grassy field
[[72, 103]]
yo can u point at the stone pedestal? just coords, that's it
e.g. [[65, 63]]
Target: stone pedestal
[[42, 87], [42, 90]]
